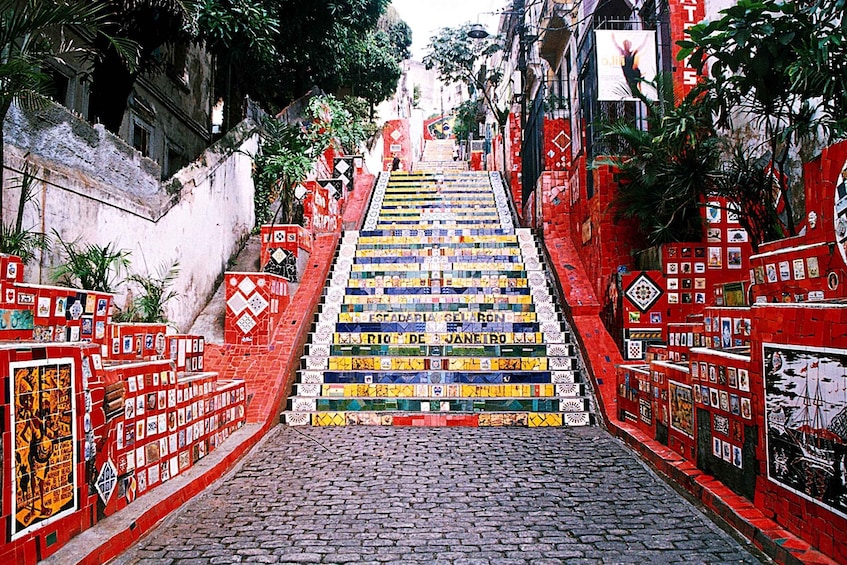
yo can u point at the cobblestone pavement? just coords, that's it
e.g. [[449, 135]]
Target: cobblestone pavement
[[438, 495]]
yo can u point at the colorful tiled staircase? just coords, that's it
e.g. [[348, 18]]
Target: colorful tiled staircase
[[438, 157], [439, 313]]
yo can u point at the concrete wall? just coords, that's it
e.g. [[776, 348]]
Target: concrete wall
[[94, 188]]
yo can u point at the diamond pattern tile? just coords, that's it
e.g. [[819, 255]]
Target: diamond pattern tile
[[237, 303], [246, 323], [643, 292], [246, 286], [257, 304]]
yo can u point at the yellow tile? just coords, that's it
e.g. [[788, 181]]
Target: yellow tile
[[340, 363], [544, 420], [363, 364], [328, 419]]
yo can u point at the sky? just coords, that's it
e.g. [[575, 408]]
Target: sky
[[426, 17]]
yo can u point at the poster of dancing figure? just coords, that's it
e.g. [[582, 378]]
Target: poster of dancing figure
[[626, 64], [44, 478], [806, 422]]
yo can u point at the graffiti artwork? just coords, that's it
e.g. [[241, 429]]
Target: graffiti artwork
[[806, 421], [44, 474]]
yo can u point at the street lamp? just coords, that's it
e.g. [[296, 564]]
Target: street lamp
[[477, 31]]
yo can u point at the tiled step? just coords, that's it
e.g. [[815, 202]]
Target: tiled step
[[411, 363], [425, 391], [565, 349], [500, 377], [395, 418], [461, 405]]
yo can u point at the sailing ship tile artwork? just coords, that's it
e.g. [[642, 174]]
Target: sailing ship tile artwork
[[806, 421]]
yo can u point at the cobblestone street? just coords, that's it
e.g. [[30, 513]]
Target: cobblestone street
[[438, 495]]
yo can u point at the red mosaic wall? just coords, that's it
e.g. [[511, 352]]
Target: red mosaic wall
[[809, 266], [681, 337], [806, 329], [186, 352], [755, 371], [84, 439], [557, 144], [49, 313], [684, 14], [606, 243], [132, 342], [254, 304], [475, 161], [636, 404], [397, 139], [514, 165], [287, 236]]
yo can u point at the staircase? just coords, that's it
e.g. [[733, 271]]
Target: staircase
[[438, 158], [439, 313]]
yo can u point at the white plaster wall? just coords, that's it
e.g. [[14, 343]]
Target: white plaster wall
[[416, 133], [202, 226]]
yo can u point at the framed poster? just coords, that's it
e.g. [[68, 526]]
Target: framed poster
[[44, 476], [681, 405]]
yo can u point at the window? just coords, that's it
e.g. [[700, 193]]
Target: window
[[178, 64], [58, 87], [174, 159], [141, 137]]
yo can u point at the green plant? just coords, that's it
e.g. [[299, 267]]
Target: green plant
[[288, 153], [285, 158], [24, 243], [91, 266], [665, 171], [468, 115], [780, 65], [459, 58], [361, 112], [749, 181], [14, 239], [332, 123], [149, 305]]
